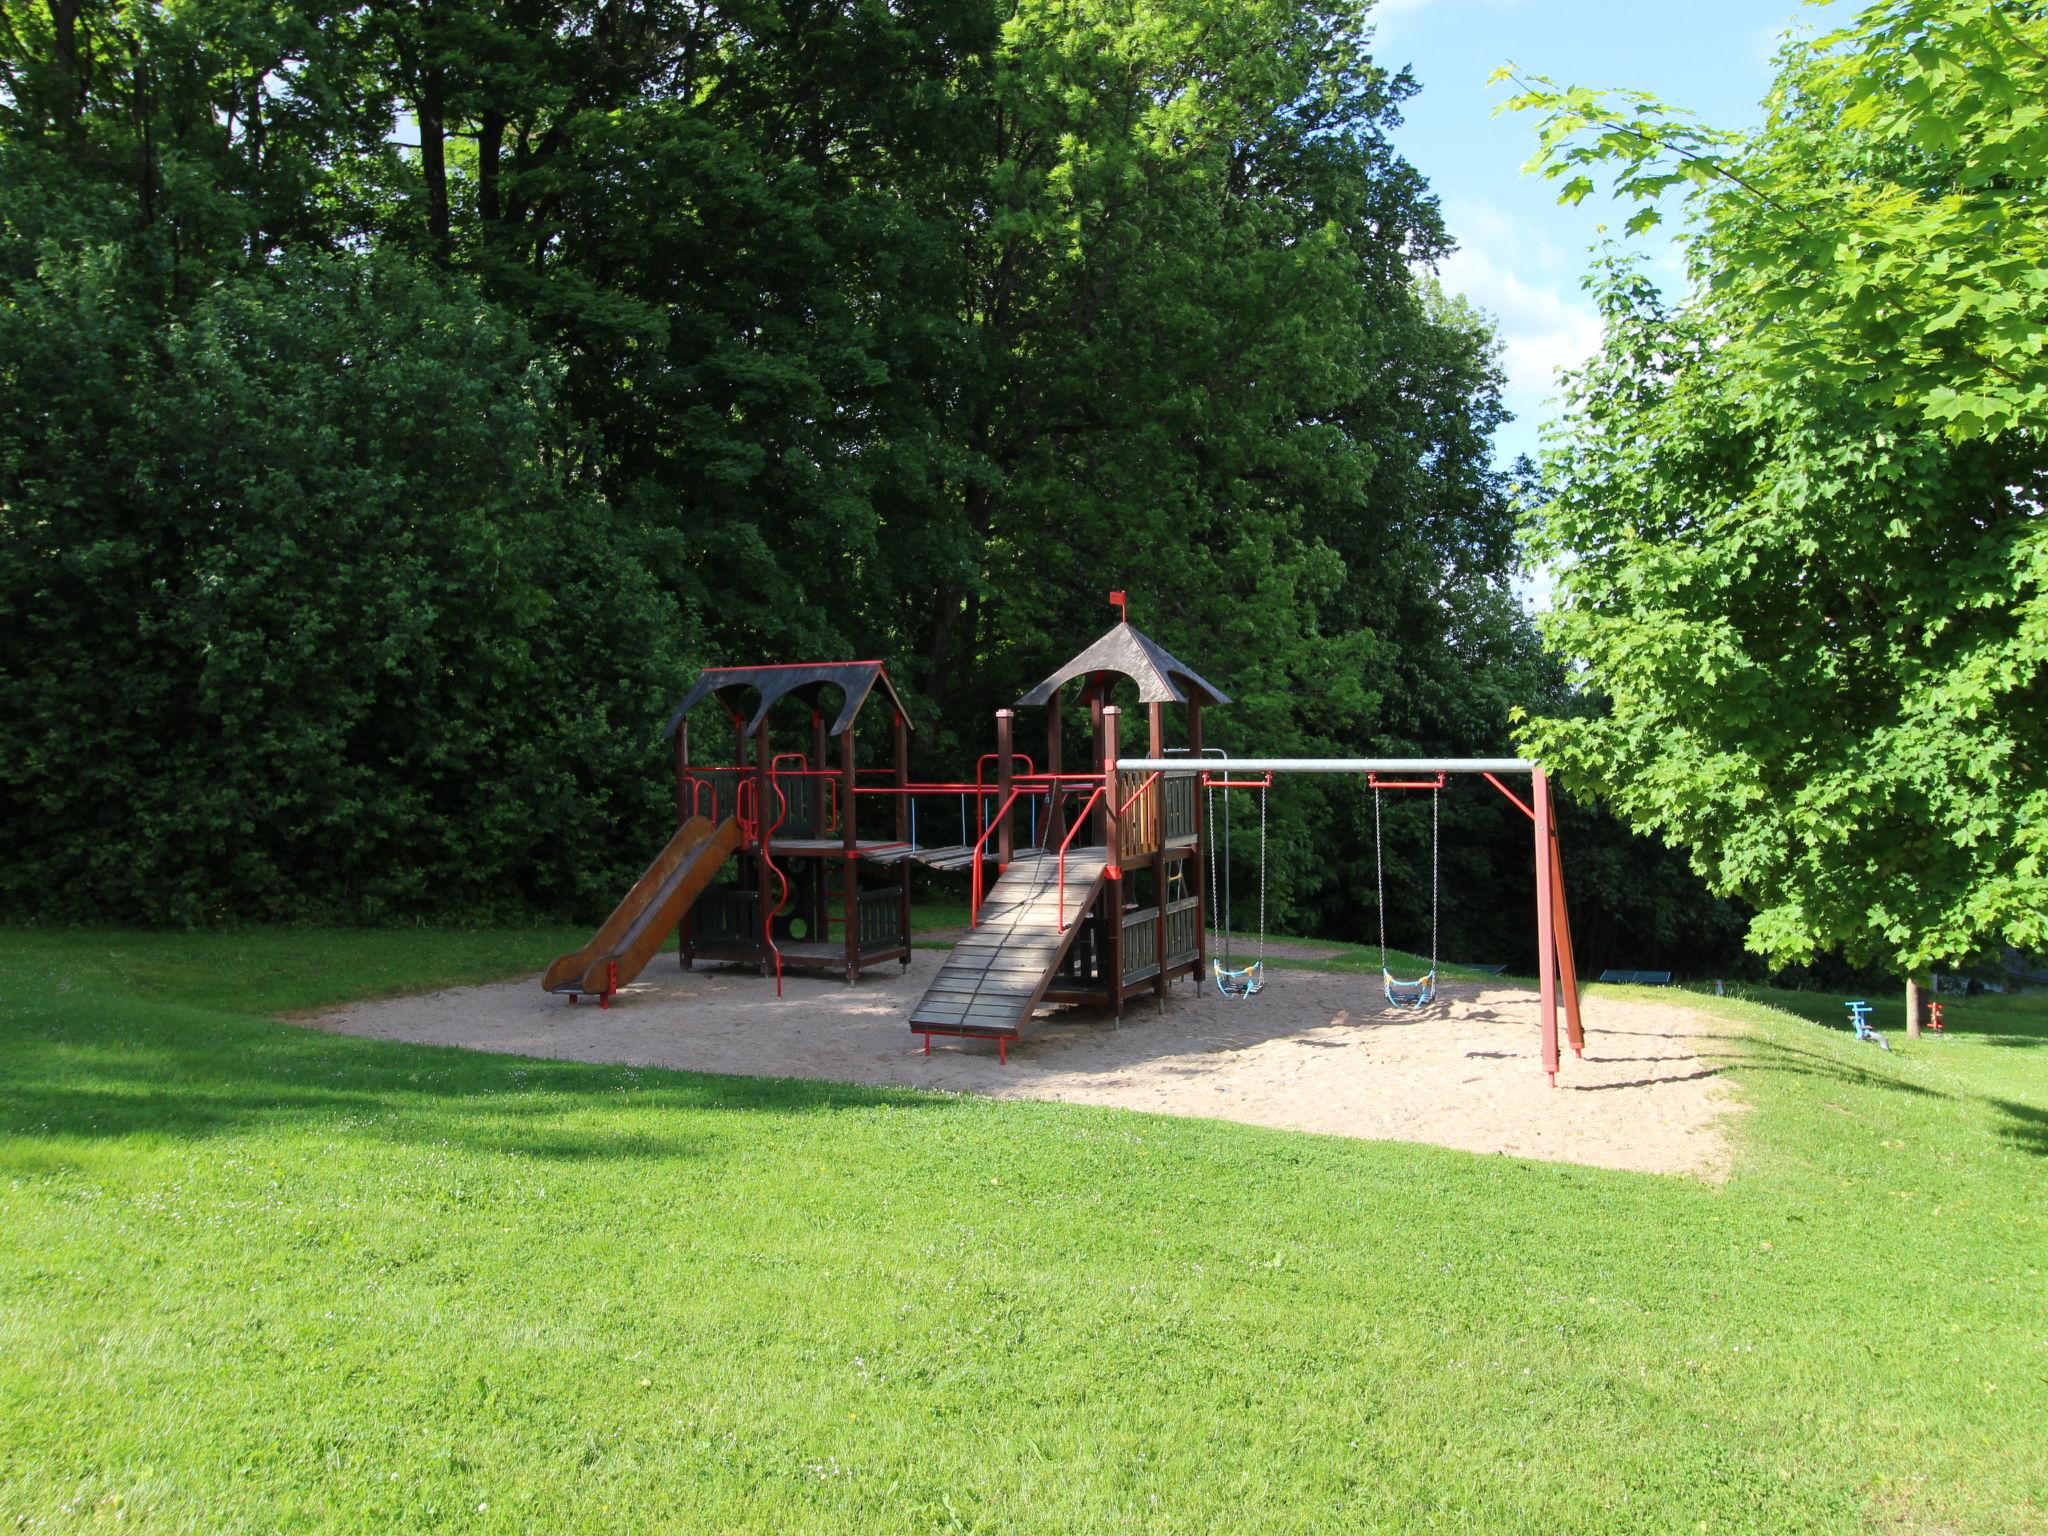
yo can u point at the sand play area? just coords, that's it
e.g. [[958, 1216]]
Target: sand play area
[[1316, 1051]]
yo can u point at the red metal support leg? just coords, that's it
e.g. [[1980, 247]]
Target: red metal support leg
[[1567, 965], [1546, 946], [1002, 1051]]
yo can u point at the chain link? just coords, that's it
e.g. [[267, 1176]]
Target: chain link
[[1379, 862], [1379, 869], [1262, 883]]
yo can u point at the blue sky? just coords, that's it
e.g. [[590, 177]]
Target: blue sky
[[1521, 256]]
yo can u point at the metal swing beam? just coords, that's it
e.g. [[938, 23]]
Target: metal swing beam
[[1557, 976]]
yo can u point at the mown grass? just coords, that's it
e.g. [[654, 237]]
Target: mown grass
[[257, 1278]]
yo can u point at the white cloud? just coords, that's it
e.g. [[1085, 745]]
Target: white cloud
[[1531, 290]]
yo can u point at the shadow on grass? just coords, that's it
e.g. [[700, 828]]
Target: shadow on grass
[[1750, 1053], [199, 1076], [2027, 1126]]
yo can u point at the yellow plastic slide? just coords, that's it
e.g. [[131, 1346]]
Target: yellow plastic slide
[[650, 912]]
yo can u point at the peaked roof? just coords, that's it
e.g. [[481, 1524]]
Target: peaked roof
[[805, 680], [1161, 677]]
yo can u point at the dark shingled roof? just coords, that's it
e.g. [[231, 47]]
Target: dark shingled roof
[[804, 680], [1161, 678]]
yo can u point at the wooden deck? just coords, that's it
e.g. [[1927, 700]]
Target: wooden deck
[[998, 973], [872, 849]]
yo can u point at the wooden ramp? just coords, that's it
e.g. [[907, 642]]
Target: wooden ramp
[[996, 975]]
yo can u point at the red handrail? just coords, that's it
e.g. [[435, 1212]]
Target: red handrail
[[1149, 780], [982, 762], [974, 899], [768, 858], [1080, 821]]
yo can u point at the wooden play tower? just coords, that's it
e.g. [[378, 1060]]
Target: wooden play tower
[[1107, 905]]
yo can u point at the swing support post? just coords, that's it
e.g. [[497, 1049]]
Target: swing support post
[[1557, 975], [1546, 915]]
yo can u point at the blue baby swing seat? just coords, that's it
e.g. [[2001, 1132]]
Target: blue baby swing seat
[[1411, 996], [1236, 982]]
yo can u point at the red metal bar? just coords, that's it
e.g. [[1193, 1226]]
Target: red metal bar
[[775, 666], [1265, 782], [1201, 882], [1513, 798], [1080, 821], [974, 898], [1567, 965], [1147, 782], [1436, 782], [1546, 945], [1113, 848]]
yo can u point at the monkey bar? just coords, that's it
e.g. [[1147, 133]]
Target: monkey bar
[[1557, 977]]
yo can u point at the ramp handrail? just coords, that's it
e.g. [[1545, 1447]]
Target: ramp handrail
[[1080, 821], [974, 899]]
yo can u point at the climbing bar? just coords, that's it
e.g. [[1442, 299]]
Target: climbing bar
[[1404, 765]]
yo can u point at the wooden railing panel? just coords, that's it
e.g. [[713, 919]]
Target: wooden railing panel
[[1183, 929], [1138, 824], [1141, 944], [1179, 795], [880, 915]]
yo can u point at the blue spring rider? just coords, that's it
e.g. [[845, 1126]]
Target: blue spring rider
[[1418, 994], [1859, 1020]]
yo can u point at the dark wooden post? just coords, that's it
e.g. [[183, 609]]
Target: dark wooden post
[[849, 854], [683, 815], [823, 763], [1006, 778], [682, 773], [1105, 752], [1155, 746], [1056, 810], [1098, 688], [1113, 887], [764, 823], [899, 733], [1546, 937], [1201, 880]]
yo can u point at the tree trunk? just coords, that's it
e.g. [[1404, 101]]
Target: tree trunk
[[489, 145], [71, 88], [434, 163], [1913, 1006]]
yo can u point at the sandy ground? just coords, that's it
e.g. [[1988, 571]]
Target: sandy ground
[[1316, 1051]]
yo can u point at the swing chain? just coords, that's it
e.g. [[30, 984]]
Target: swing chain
[[1379, 864], [1262, 882], [1435, 856]]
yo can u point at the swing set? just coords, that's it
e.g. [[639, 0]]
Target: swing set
[[1557, 985]]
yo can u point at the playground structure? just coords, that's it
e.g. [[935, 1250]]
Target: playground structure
[[1102, 902]]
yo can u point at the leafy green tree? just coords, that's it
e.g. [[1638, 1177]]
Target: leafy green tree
[[396, 401], [1798, 517], [294, 619]]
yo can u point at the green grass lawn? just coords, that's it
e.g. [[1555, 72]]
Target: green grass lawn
[[255, 1278]]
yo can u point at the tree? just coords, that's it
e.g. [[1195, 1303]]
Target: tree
[[1799, 513]]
